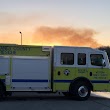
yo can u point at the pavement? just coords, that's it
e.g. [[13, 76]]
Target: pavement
[[35, 101]]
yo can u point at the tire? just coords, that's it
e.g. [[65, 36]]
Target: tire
[[9, 93], [80, 90]]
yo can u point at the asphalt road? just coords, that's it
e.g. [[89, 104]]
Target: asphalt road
[[34, 101]]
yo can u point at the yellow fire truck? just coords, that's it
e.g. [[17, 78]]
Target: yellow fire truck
[[74, 71]]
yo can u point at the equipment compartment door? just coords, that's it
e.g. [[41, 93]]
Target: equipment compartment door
[[30, 72], [4, 65]]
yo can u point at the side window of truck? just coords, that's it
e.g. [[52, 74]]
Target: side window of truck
[[81, 59], [67, 58], [96, 59]]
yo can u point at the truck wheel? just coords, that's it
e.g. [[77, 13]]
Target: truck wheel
[[1, 91], [80, 90]]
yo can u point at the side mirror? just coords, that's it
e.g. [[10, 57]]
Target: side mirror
[[103, 63]]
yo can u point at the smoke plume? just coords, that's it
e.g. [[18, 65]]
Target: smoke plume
[[65, 36]]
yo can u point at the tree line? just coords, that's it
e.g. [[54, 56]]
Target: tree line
[[107, 49]]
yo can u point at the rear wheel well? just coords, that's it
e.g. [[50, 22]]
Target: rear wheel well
[[82, 79]]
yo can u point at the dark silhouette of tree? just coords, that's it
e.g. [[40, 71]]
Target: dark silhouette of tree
[[107, 49]]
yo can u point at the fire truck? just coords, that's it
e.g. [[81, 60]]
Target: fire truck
[[74, 71]]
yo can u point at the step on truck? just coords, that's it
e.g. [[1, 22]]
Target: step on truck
[[74, 71]]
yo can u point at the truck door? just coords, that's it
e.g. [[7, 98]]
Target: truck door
[[64, 68], [81, 64], [97, 73]]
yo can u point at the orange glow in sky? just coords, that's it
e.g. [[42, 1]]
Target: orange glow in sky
[[54, 36], [72, 23]]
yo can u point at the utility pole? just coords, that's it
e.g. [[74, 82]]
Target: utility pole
[[21, 37]]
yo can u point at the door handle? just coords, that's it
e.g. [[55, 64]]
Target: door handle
[[59, 73], [90, 73]]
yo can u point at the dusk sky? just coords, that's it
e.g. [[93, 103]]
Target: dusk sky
[[50, 22]]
